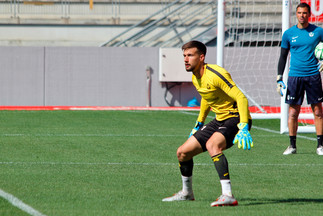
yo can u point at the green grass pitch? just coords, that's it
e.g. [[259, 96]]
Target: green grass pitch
[[97, 163]]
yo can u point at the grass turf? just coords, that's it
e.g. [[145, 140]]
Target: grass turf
[[124, 163]]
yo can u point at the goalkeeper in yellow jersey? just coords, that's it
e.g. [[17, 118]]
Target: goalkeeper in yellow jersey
[[230, 126]]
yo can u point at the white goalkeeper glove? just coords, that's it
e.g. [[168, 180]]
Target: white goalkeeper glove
[[280, 85], [320, 66]]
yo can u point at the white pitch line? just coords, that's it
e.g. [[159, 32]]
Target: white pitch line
[[277, 132], [260, 128], [20, 204], [144, 164], [131, 135], [139, 135], [90, 135]]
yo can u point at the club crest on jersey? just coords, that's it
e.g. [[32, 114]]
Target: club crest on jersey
[[311, 34]]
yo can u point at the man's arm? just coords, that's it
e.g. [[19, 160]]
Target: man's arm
[[204, 111], [242, 103], [281, 67], [243, 137], [282, 61]]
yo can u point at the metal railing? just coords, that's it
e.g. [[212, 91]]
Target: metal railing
[[177, 22], [58, 8]]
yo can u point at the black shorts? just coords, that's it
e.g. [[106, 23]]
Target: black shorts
[[228, 128], [297, 86]]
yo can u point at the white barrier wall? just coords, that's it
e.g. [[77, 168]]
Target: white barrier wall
[[84, 76], [22, 76], [94, 76]]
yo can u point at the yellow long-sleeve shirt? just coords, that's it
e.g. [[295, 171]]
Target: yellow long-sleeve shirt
[[220, 94]]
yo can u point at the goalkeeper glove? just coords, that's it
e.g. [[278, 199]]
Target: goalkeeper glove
[[320, 66], [197, 126], [280, 85], [243, 137]]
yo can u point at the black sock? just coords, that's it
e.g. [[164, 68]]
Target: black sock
[[292, 140], [186, 168], [319, 140], [221, 166]]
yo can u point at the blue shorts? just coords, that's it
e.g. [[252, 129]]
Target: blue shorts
[[297, 86]]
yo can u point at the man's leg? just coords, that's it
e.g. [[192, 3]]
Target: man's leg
[[318, 118], [215, 146], [293, 114], [292, 125], [185, 154], [318, 121]]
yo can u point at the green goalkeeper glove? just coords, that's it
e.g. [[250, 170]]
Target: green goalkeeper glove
[[243, 137], [280, 85], [197, 126]]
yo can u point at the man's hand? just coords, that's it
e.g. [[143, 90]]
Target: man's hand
[[197, 126], [243, 137], [320, 66], [281, 85]]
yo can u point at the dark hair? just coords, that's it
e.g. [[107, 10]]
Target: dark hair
[[302, 5], [195, 44]]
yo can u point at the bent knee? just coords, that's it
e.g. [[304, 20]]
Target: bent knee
[[318, 114], [216, 144], [181, 156], [293, 115], [215, 148]]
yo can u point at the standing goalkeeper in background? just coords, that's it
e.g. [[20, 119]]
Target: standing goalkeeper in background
[[303, 76], [231, 124]]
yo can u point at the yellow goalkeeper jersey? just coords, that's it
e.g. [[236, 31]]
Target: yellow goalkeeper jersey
[[220, 94]]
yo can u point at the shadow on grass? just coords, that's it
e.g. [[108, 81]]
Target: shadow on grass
[[252, 201]]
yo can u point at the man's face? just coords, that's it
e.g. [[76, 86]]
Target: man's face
[[192, 59], [302, 14]]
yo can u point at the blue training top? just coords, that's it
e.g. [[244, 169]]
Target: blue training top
[[302, 43]]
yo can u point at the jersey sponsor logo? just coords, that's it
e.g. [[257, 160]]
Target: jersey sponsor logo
[[294, 39]]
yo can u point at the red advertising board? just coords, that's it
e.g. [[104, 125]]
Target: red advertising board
[[316, 10]]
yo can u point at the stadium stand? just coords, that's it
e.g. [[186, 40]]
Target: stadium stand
[[103, 12], [134, 19]]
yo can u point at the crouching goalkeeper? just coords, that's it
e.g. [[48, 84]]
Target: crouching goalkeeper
[[230, 126]]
